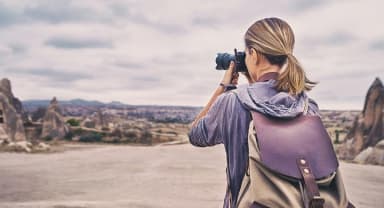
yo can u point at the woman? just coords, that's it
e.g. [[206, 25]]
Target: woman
[[277, 87]]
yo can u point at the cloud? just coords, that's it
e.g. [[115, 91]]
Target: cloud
[[57, 12], [333, 39], [352, 74], [61, 12], [377, 45], [43, 11], [138, 17], [300, 5], [53, 75], [78, 43], [130, 65], [206, 21], [339, 38], [4, 51], [8, 16], [18, 48]]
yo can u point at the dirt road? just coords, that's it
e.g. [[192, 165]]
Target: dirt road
[[141, 177]]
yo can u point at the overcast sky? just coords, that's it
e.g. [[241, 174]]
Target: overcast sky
[[163, 52]]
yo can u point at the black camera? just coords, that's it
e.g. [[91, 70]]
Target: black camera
[[224, 59]]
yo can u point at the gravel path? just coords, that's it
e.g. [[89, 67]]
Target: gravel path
[[141, 177]]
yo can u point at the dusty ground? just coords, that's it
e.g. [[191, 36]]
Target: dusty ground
[[141, 177]]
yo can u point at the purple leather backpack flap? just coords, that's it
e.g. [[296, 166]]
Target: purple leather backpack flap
[[282, 142]]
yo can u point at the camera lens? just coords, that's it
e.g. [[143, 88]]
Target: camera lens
[[223, 60]]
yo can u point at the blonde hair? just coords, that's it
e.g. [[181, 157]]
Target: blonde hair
[[274, 39]]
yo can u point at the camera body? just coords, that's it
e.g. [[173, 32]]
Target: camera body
[[223, 60]]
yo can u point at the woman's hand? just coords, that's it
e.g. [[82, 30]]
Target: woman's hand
[[230, 76]]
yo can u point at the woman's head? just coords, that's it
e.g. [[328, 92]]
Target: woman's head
[[271, 40]]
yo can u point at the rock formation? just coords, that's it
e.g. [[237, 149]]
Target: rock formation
[[100, 121], [11, 123], [6, 89], [368, 129], [97, 121], [88, 123], [372, 155], [54, 126], [12, 131]]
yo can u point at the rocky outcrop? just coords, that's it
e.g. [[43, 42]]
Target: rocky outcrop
[[367, 130], [6, 89], [23, 146], [88, 123], [12, 131], [11, 123], [372, 155], [100, 120], [54, 126], [20, 146], [97, 121], [33, 132], [373, 113]]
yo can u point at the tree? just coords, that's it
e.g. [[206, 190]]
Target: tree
[[73, 122]]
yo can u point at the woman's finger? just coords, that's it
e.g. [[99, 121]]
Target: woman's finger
[[228, 74], [231, 67]]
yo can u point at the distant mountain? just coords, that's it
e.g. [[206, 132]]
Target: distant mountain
[[80, 107], [116, 103], [94, 103], [81, 102], [75, 102]]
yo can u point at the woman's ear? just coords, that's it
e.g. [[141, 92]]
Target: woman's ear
[[254, 56]]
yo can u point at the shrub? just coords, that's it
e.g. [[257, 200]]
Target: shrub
[[92, 137], [48, 138], [68, 136], [337, 133], [78, 131], [73, 122], [130, 134], [146, 137]]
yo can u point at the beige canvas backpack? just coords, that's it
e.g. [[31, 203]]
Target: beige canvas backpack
[[291, 164]]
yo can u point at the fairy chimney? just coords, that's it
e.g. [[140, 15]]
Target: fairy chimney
[[6, 89], [54, 126], [11, 123], [367, 129]]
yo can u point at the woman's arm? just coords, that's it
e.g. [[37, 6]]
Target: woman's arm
[[207, 128], [230, 77]]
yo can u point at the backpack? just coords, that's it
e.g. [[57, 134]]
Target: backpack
[[291, 164]]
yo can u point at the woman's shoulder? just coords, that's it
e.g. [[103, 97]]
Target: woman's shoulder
[[230, 99], [313, 107]]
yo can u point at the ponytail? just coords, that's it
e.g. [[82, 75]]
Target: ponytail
[[293, 79]]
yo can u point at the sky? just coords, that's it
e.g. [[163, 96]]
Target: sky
[[162, 52]]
